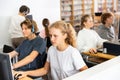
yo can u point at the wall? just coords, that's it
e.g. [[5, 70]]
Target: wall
[[39, 9]]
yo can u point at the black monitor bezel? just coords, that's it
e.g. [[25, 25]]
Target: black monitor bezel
[[5, 67]]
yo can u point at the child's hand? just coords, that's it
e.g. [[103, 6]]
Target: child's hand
[[93, 50]]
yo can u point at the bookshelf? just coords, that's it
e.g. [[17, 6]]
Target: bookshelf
[[118, 5], [105, 5], [72, 10]]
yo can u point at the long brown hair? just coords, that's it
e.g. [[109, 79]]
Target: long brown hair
[[46, 23]]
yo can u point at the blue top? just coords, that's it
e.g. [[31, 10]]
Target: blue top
[[25, 48]]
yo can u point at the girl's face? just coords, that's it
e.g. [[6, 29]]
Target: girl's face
[[109, 20], [57, 37], [89, 23], [26, 31]]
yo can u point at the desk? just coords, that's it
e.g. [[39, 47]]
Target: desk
[[98, 57], [108, 70]]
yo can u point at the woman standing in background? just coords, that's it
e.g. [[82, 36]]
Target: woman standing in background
[[15, 29]]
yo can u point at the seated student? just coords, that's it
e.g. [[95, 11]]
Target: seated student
[[31, 51], [45, 32], [88, 39], [106, 30], [63, 58]]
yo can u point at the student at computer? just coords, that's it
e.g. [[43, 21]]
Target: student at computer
[[32, 50], [88, 39], [106, 30], [63, 58]]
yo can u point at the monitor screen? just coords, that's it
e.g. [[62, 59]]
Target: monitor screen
[[29, 17], [119, 31], [112, 48], [5, 67]]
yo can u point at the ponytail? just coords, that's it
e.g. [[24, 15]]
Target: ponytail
[[68, 29]]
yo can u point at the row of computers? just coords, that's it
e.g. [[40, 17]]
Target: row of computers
[[5, 62]]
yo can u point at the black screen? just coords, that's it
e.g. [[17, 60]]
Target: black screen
[[5, 67], [29, 17], [119, 31], [113, 48]]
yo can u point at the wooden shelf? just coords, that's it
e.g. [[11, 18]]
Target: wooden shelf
[[72, 10], [118, 5], [105, 5]]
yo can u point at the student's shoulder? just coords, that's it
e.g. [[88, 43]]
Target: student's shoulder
[[73, 49], [81, 32], [51, 48], [101, 26], [17, 17], [39, 38]]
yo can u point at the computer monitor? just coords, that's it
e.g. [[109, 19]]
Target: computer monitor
[[29, 17], [112, 48], [5, 67], [119, 31]]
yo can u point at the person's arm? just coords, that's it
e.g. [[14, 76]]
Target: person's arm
[[13, 54], [37, 72], [99, 40], [83, 68], [26, 78], [16, 73], [93, 50], [26, 60], [78, 61]]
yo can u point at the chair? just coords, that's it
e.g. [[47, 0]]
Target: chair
[[7, 49]]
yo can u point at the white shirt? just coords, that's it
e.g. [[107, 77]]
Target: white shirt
[[87, 39], [64, 63], [15, 28]]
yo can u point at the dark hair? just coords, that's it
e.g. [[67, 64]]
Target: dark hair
[[84, 18], [46, 23], [30, 24], [104, 17], [24, 9], [77, 28]]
